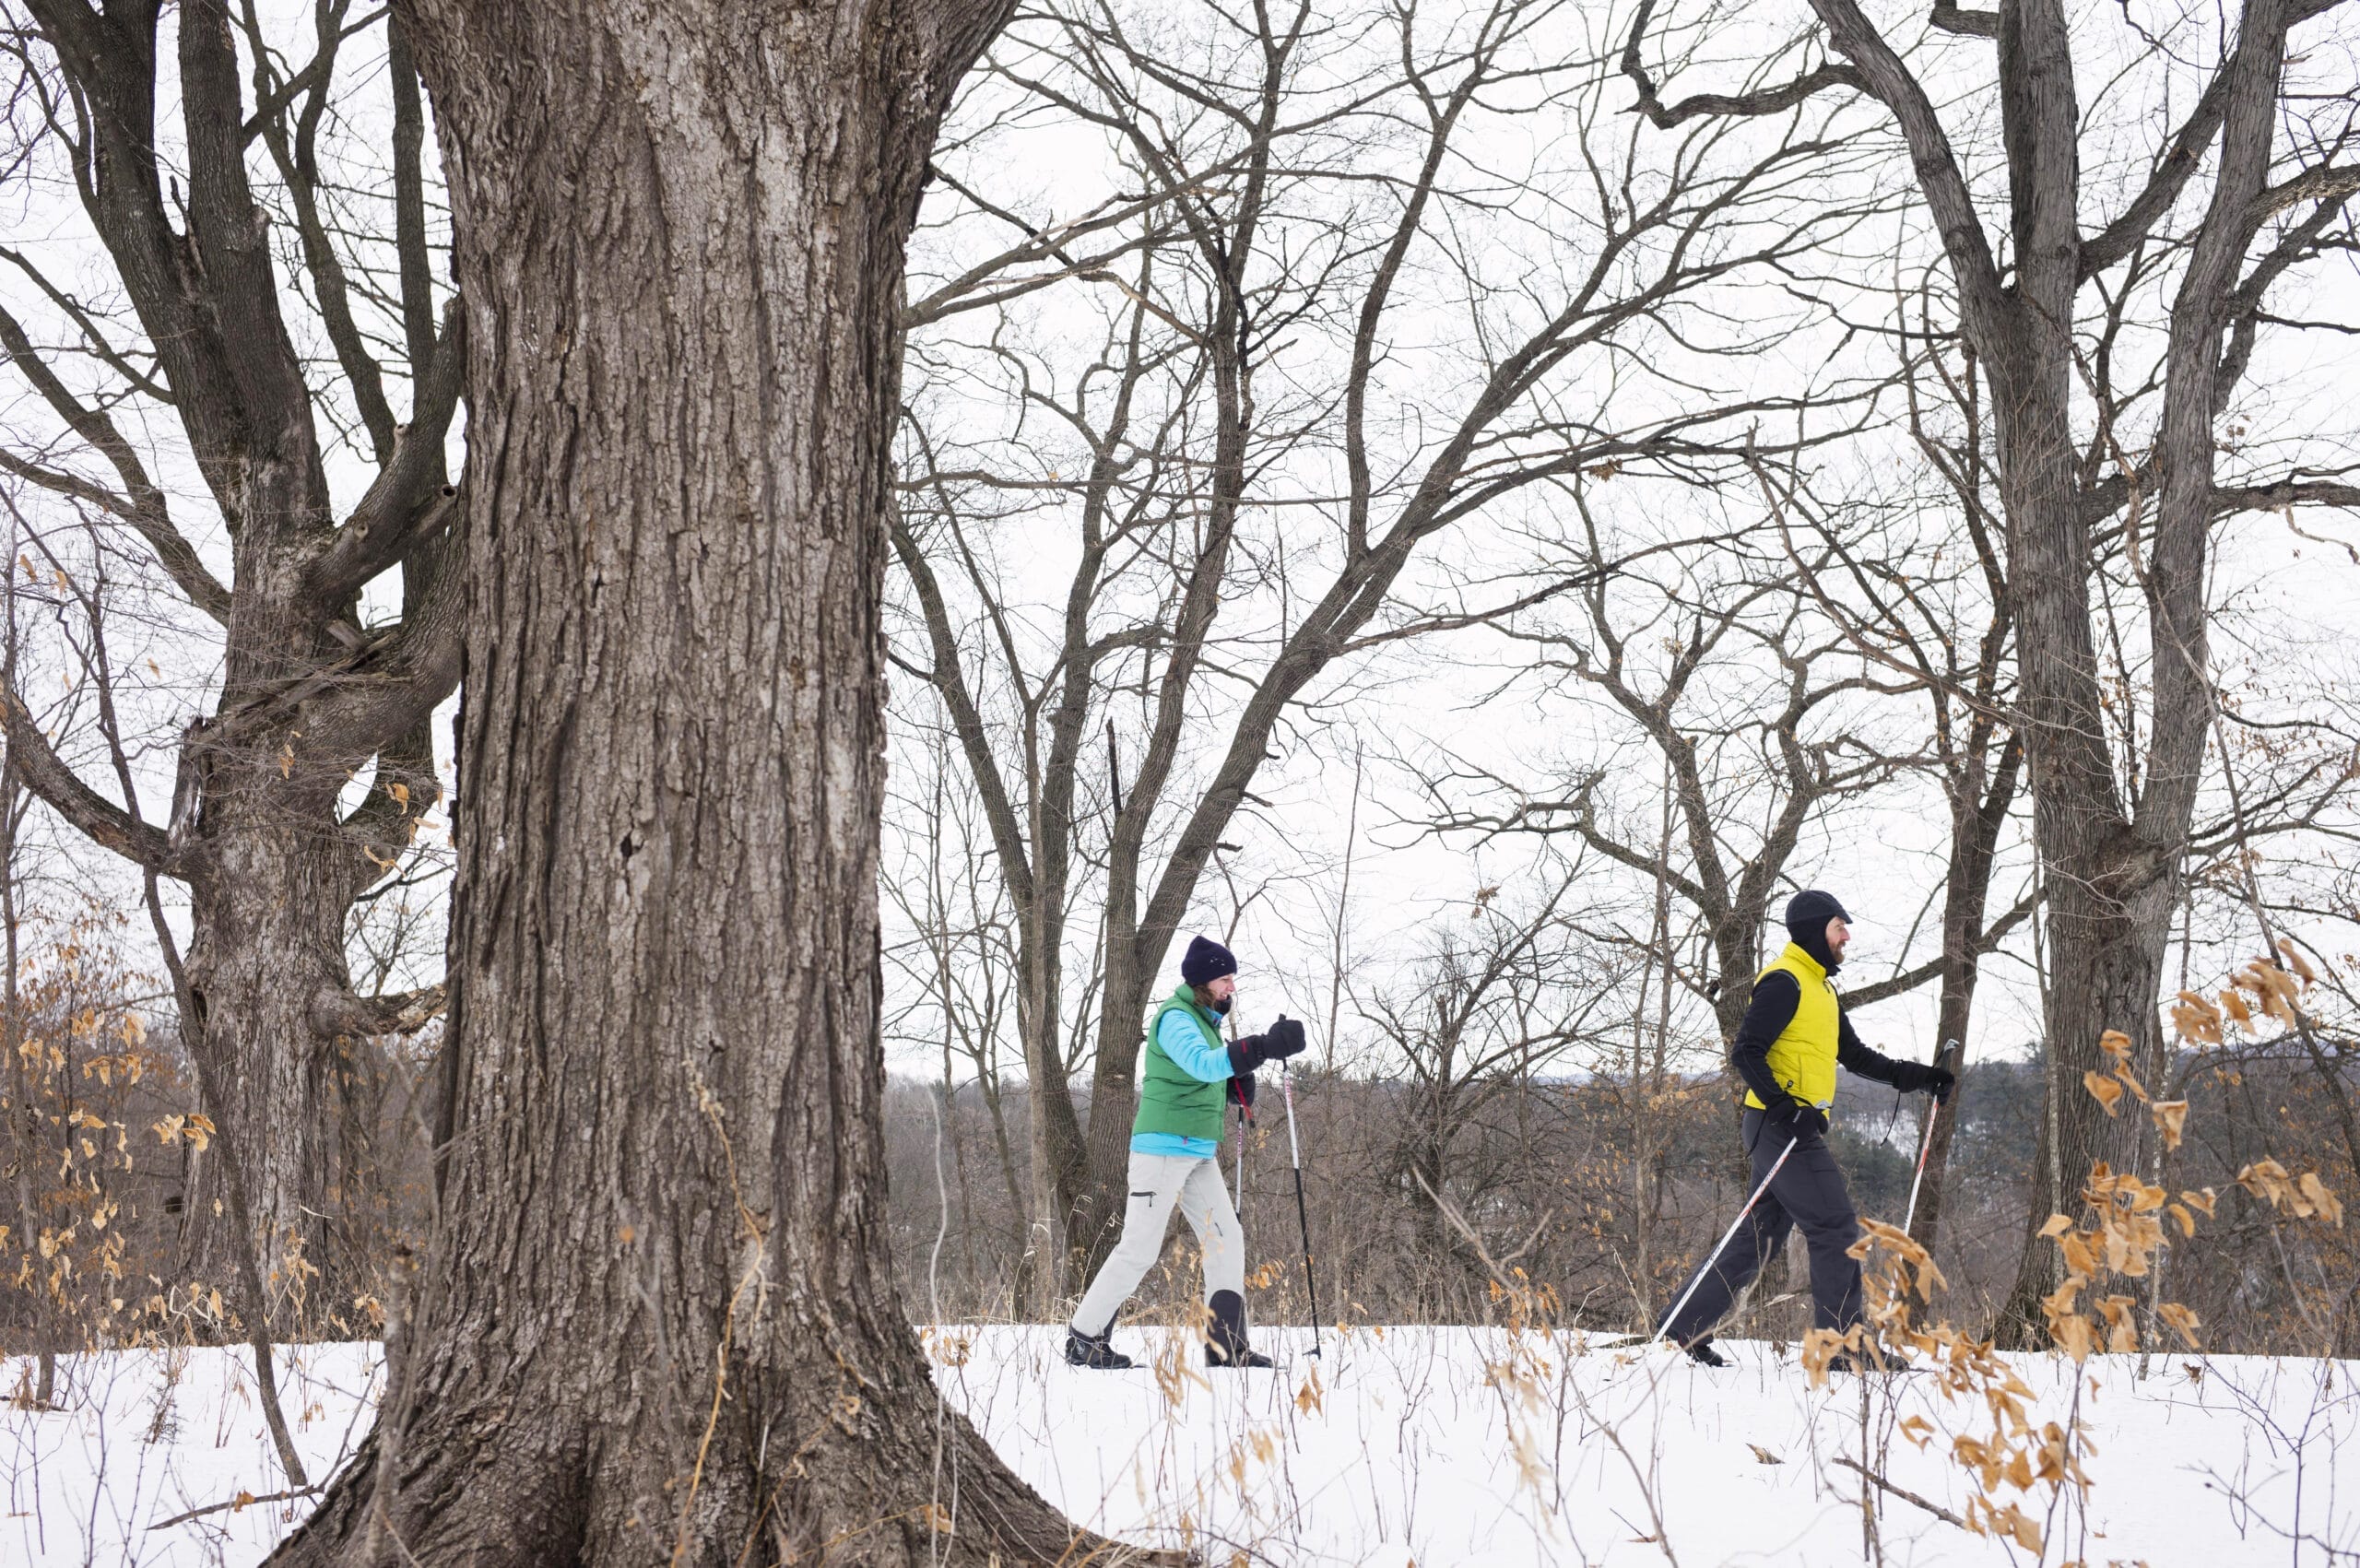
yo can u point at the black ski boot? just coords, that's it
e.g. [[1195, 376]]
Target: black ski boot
[[1225, 1336], [1700, 1351], [1095, 1351]]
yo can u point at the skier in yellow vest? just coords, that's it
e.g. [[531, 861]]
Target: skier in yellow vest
[[1793, 1038]]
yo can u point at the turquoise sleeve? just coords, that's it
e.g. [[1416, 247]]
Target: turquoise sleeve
[[1184, 1043]]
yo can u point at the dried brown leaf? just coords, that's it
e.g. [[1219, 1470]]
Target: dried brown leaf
[[2328, 1205], [2181, 1319], [2295, 960]]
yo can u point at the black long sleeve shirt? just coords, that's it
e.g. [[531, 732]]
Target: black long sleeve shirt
[[1776, 998]]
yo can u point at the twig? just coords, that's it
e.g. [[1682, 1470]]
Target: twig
[[244, 1500], [1936, 1509], [1662, 1537]]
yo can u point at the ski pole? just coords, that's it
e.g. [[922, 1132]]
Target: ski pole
[[1726, 1236], [1926, 1142], [1303, 1215]]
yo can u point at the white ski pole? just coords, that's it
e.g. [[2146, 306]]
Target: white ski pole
[[1725, 1237], [1302, 1215], [1926, 1142]]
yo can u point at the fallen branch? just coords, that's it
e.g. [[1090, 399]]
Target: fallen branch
[[244, 1500], [1936, 1509]]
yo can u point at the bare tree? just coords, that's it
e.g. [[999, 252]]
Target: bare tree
[[2254, 182], [1487, 1015], [1915, 580], [311, 692], [1760, 714], [24, 1119], [1263, 449]]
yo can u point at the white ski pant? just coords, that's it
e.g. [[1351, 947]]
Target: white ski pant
[[1160, 1182]]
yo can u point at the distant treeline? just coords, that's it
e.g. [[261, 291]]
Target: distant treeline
[[1544, 1173]]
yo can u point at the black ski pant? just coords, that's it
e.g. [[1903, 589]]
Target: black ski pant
[[1808, 1193]]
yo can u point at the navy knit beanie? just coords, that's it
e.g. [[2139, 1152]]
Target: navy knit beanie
[[1207, 961]]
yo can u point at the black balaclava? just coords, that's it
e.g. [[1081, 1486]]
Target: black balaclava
[[1808, 913]]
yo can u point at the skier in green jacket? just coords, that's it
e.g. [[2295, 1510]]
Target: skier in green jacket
[[1190, 1080]]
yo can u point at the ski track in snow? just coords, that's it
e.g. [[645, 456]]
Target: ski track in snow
[[1413, 1447]]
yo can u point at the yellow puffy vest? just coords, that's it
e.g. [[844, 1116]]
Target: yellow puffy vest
[[1803, 1056]]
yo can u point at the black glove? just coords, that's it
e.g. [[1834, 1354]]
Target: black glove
[[1284, 1040], [1795, 1119], [1241, 1093], [1910, 1078]]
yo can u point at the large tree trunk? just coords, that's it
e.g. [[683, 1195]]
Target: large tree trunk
[[2109, 891], [658, 1318], [2113, 852], [2110, 899], [2102, 877], [2112, 877], [270, 1019]]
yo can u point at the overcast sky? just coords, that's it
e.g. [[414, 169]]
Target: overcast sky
[[1461, 700]]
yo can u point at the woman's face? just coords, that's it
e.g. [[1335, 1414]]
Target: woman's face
[[1221, 988]]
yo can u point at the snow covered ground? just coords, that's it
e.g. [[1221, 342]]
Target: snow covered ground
[[146, 1435], [1399, 1446]]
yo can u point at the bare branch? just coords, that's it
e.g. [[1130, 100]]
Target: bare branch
[[141, 504], [106, 352], [1910, 979], [89, 812], [1948, 17], [2284, 493], [407, 504], [1939, 176], [1763, 100]]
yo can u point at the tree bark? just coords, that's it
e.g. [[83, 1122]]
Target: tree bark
[[657, 1320], [268, 916], [2110, 888]]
